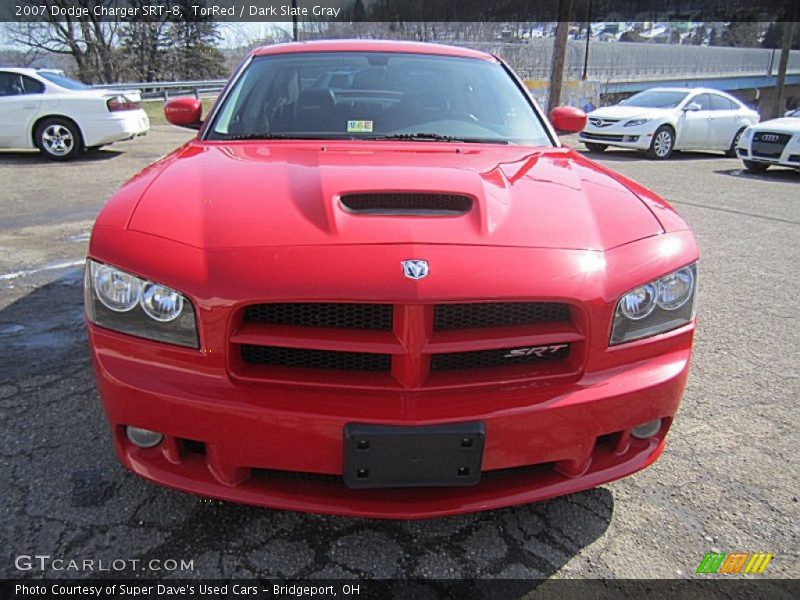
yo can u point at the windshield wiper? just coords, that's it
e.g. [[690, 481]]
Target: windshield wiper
[[282, 136], [435, 137], [256, 136]]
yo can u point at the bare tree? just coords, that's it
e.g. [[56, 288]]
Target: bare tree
[[88, 40]]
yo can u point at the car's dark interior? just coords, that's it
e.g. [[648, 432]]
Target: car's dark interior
[[386, 95]]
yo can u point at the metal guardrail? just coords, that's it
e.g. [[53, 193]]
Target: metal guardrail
[[653, 73], [166, 89], [629, 61]]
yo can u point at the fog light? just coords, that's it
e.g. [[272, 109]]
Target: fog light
[[646, 430], [144, 438]]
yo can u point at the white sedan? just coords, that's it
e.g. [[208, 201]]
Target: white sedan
[[660, 120], [61, 117], [775, 142]]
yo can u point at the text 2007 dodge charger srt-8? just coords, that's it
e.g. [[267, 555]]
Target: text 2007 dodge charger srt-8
[[376, 284]]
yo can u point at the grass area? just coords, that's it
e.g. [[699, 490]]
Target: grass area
[[155, 110]]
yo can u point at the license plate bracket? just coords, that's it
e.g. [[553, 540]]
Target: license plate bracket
[[386, 456]]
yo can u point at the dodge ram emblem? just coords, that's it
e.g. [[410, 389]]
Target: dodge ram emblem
[[415, 269]]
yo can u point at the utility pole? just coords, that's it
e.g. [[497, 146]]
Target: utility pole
[[295, 35], [585, 75], [559, 54], [788, 29]]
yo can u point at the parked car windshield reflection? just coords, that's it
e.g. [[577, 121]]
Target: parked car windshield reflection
[[653, 99], [64, 82]]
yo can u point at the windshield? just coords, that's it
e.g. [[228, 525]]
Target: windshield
[[61, 81], [656, 99], [795, 113], [377, 95]]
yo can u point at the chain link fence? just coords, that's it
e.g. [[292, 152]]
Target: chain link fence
[[628, 61]]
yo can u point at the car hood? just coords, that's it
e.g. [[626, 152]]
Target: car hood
[[629, 112], [251, 194], [782, 125]]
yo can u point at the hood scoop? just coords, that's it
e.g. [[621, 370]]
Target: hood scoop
[[407, 204]]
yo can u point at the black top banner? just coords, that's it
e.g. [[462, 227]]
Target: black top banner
[[394, 10]]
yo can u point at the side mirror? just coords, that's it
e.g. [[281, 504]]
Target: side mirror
[[184, 112], [691, 107], [568, 119]]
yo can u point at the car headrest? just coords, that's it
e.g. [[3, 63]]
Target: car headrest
[[316, 101], [370, 79]]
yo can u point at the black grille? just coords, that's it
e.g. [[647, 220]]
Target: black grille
[[498, 314], [771, 137], [497, 358], [768, 144], [794, 158], [601, 137], [295, 475], [407, 204], [597, 122], [322, 314], [315, 359]]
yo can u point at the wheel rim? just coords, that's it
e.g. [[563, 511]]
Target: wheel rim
[[736, 140], [58, 140], [663, 143]]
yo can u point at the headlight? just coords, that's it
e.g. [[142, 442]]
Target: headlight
[[639, 303], [635, 122], [115, 289], [656, 307], [747, 133], [123, 302], [675, 289], [161, 303]]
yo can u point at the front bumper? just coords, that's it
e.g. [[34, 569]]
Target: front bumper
[[281, 446], [788, 157], [637, 138]]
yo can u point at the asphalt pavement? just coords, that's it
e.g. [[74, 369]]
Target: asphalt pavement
[[728, 480]]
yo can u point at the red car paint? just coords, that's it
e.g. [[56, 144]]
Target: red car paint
[[235, 223]]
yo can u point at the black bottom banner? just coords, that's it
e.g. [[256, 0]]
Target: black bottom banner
[[422, 589]]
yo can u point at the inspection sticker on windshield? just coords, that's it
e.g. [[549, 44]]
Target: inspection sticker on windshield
[[359, 127]]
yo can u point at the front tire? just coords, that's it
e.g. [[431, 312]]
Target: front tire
[[731, 152], [755, 167], [592, 147], [58, 139], [662, 143]]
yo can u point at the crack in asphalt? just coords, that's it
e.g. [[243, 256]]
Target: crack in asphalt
[[734, 212]]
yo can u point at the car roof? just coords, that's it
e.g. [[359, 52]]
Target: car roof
[[22, 70], [685, 89], [372, 46]]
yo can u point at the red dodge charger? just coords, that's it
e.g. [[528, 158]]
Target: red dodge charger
[[376, 284]]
